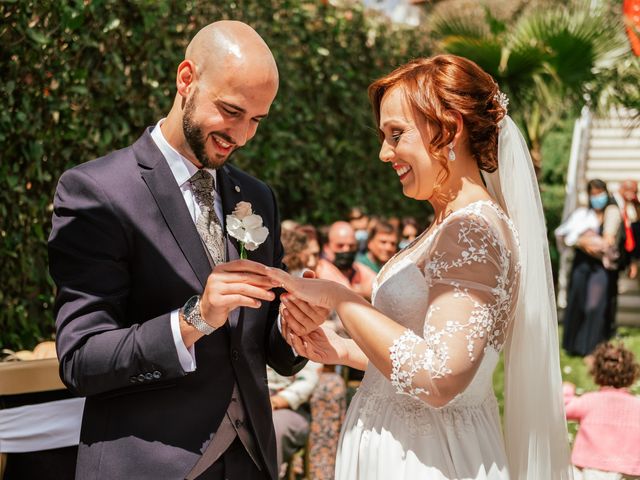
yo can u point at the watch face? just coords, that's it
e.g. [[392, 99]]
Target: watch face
[[190, 305]]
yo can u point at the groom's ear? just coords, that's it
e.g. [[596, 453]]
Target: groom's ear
[[185, 78]]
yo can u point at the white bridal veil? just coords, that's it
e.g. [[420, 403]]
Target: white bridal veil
[[535, 427]]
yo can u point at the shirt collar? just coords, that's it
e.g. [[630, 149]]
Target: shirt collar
[[180, 166]]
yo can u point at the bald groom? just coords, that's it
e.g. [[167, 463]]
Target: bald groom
[[159, 324]]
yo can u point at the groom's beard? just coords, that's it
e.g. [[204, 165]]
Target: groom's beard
[[196, 139]]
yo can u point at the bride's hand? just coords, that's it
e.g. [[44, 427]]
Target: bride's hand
[[323, 345], [301, 317], [323, 293]]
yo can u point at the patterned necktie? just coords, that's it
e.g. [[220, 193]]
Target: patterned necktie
[[208, 224]]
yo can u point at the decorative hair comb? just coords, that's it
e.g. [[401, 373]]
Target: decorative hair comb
[[502, 99]]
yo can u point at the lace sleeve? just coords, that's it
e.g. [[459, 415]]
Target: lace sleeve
[[472, 278]]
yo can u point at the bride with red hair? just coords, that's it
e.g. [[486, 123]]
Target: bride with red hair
[[475, 284]]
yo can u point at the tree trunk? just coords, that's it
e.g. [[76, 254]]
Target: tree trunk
[[536, 156]]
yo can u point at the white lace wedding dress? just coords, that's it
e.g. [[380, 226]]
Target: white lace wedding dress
[[454, 290]]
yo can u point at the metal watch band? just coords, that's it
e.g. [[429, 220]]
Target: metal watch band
[[191, 312]]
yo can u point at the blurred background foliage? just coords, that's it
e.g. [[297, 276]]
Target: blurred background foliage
[[84, 77], [81, 78]]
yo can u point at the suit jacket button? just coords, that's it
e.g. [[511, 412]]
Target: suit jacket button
[[156, 374], [141, 377], [239, 423], [148, 376], [235, 355], [133, 379]]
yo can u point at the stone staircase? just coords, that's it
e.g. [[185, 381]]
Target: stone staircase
[[607, 148]]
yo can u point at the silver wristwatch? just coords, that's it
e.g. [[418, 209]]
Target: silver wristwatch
[[191, 314]]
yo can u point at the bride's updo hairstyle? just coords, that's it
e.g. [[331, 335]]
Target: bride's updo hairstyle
[[437, 86]]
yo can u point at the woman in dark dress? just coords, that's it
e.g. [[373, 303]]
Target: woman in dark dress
[[593, 288]]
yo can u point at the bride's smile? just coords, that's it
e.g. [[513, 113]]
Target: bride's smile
[[401, 170]]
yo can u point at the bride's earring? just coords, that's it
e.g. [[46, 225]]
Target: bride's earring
[[452, 154]]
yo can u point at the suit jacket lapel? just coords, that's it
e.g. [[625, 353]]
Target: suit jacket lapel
[[157, 175], [230, 194]]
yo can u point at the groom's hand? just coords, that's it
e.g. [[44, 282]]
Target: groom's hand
[[239, 283]]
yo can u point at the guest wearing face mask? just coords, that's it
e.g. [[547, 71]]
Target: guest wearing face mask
[[338, 260], [593, 288], [359, 221]]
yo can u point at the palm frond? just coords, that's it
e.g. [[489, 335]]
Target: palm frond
[[485, 52], [459, 25], [578, 40], [496, 26]]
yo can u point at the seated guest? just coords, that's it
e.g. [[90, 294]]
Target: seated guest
[[381, 246], [394, 221], [338, 260], [608, 441], [312, 252], [360, 223], [328, 406], [291, 413], [295, 246], [288, 224], [338, 264], [409, 232]]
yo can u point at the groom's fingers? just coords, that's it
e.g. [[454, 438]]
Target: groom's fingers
[[227, 289], [241, 277], [248, 266], [235, 301]]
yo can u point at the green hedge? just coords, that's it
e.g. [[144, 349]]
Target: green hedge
[[80, 79]]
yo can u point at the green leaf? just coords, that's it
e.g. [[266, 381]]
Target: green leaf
[[37, 36]]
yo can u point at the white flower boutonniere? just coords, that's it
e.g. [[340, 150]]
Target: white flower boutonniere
[[246, 227]]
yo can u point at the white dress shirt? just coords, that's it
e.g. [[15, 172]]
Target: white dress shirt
[[183, 170]]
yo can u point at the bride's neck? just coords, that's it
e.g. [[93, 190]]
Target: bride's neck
[[457, 193]]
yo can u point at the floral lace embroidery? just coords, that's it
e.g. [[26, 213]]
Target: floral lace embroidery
[[488, 320]]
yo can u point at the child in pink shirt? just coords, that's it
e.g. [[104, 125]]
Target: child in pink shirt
[[608, 441]]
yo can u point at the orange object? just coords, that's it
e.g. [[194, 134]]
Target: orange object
[[631, 12], [629, 241]]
